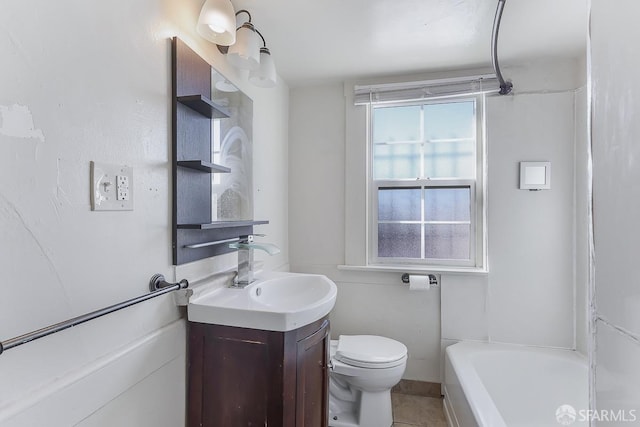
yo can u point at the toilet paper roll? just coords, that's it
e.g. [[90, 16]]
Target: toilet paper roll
[[419, 283]]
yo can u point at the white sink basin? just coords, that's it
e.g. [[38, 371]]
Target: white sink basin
[[274, 302]]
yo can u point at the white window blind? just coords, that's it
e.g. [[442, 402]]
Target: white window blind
[[415, 91]]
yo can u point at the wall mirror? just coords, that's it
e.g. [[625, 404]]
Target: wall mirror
[[231, 146]]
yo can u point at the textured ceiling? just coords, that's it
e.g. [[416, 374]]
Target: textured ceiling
[[320, 40]]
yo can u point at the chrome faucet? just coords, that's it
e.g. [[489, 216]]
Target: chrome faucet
[[245, 246]]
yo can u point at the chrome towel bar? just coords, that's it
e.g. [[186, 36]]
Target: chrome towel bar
[[157, 285], [213, 243]]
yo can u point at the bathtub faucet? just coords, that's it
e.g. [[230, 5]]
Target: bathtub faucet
[[245, 246]]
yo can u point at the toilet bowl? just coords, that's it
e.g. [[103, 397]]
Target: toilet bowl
[[364, 368]]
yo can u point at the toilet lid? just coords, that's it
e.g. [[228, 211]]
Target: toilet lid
[[370, 351]]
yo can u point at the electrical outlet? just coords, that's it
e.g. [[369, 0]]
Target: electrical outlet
[[111, 187], [122, 187]]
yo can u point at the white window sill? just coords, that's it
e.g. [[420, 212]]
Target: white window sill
[[415, 269]]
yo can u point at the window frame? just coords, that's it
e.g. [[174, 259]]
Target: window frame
[[477, 244]]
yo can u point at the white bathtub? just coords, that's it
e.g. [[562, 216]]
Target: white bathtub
[[500, 385]]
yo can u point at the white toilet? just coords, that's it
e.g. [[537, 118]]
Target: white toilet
[[364, 368]]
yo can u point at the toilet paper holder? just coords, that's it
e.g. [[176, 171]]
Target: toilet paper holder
[[433, 279]]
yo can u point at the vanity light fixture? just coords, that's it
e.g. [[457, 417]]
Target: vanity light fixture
[[217, 22], [265, 76], [247, 54]]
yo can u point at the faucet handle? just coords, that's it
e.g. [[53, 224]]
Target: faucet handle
[[259, 235], [248, 238]]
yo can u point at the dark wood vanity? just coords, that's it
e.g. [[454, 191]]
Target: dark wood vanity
[[240, 377], [237, 377]]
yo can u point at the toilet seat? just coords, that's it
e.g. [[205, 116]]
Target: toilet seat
[[369, 351]]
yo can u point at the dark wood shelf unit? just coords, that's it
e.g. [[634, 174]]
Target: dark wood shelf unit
[[204, 106], [220, 224], [192, 114], [201, 165]]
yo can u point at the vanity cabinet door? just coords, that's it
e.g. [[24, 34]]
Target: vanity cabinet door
[[247, 377], [235, 377], [312, 379]]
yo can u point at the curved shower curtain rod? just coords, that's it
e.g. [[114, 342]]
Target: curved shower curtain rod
[[505, 86]]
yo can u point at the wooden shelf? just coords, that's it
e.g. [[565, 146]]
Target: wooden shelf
[[201, 165], [220, 224], [204, 106]]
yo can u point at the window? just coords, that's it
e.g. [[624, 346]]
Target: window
[[426, 182]]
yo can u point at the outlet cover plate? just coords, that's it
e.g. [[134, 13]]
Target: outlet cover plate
[[104, 187]]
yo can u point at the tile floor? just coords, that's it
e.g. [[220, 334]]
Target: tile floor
[[410, 411]]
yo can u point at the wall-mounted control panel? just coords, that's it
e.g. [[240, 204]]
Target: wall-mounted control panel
[[535, 176], [111, 187]]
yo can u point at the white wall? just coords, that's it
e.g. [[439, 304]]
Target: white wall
[[582, 218], [84, 81], [528, 295], [616, 173], [530, 284]]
